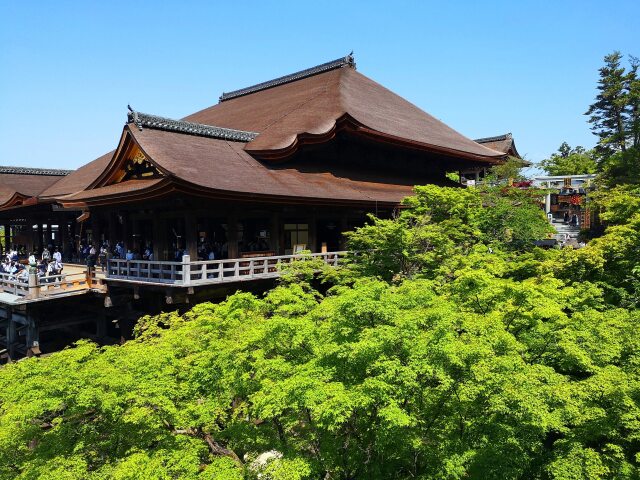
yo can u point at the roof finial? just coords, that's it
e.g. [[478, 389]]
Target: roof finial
[[132, 117], [350, 60]]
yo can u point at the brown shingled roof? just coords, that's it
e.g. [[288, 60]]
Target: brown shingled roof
[[501, 143], [79, 179], [283, 115], [313, 105], [19, 186], [225, 167]]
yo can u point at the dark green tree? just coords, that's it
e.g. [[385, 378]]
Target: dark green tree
[[609, 114], [570, 161]]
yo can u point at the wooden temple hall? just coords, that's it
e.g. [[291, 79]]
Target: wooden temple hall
[[222, 195]]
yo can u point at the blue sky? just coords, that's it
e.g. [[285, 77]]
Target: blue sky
[[68, 69]]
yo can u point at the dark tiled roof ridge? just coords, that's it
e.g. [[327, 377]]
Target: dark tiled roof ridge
[[347, 61], [51, 172], [199, 129], [497, 138]]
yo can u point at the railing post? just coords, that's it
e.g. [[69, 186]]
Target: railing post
[[186, 270], [34, 286]]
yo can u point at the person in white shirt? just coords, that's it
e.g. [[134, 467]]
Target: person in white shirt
[[57, 256]]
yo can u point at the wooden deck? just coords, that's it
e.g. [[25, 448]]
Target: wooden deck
[[184, 274], [208, 272], [15, 290]]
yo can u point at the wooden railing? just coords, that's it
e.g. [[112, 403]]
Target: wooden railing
[[188, 273], [10, 283], [34, 286]]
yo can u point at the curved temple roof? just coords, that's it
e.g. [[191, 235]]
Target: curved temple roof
[[286, 114], [18, 184], [501, 143], [223, 149]]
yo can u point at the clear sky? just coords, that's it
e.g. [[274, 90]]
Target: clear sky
[[68, 69]]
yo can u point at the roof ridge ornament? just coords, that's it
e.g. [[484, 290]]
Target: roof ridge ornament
[[53, 172], [346, 61], [157, 122], [497, 138]]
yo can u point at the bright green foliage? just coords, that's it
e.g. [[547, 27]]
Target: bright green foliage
[[441, 225], [570, 161], [617, 205], [622, 167], [443, 351], [510, 169]]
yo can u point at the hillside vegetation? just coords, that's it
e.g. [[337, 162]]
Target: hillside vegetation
[[446, 348]]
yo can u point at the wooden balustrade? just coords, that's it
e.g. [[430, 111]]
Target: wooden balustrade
[[33, 286], [203, 272]]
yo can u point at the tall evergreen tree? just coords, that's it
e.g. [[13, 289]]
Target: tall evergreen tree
[[609, 114], [633, 86]]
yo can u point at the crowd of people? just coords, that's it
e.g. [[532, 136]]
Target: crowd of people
[[212, 251], [47, 264], [93, 256], [18, 261]]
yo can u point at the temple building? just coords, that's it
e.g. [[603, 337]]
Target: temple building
[[293, 161], [188, 207]]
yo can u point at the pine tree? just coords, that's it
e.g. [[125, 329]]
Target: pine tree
[[633, 87], [609, 115]]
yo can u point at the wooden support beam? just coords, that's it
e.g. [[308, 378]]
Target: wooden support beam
[[313, 233], [101, 326], [191, 234], [33, 336], [49, 233], [275, 240], [11, 336], [160, 250], [38, 242], [232, 235]]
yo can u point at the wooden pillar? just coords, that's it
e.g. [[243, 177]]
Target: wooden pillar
[[49, 233], [101, 325], [313, 229], [11, 334], [95, 229], [157, 242], [125, 232], [7, 237], [274, 241], [344, 226], [63, 234], [191, 235], [112, 232], [39, 239], [232, 235], [33, 336]]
